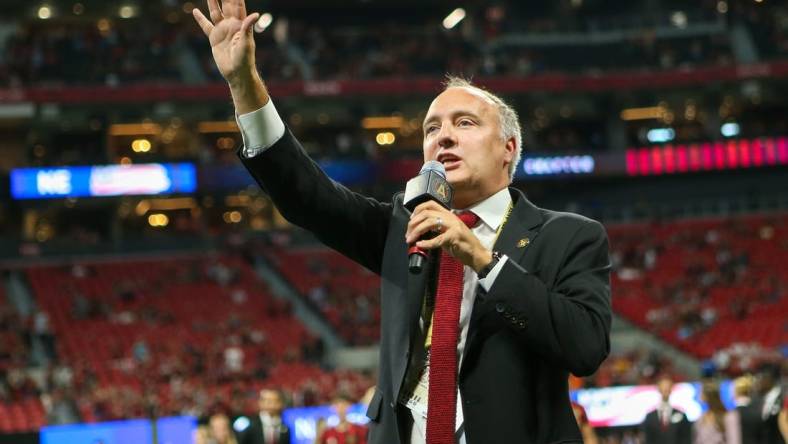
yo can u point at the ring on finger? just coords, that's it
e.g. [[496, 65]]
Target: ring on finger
[[439, 223]]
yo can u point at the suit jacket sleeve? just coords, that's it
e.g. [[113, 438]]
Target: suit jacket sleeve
[[352, 224], [569, 322]]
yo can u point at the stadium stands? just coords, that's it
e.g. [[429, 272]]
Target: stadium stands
[[704, 284], [168, 337], [118, 52], [344, 292], [701, 285]]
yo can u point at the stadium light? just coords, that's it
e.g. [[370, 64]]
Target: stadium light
[[730, 129], [44, 12], [452, 19], [127, 11], [382, 122], [263, 22], [385, 138], [651, 112], [141, 145], [158, 220], [660, 135], [679, 19]]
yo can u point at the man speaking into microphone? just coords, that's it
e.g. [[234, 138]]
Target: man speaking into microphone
[[476, 344]]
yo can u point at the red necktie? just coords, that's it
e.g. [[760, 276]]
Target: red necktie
[[442, 400]]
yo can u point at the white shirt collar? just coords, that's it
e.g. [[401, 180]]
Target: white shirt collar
[[267, 419], [493, 209]]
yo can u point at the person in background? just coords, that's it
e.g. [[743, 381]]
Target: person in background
[[345, 432], [749, 416], [267, 427], [782, 420], [220, 432], [717, 425], [201, 435], [666, 425], [589, 435], [769, 403]]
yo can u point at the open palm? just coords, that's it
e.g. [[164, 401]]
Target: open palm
[[228, 31]]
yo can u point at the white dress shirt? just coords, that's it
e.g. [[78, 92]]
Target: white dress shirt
[[262, 128], [270, 428]]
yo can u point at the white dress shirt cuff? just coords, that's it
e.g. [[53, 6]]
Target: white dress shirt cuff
[[489, 280], [260, 129]]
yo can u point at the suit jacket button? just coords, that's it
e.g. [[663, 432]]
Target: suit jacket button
[[521, 324], [499, 307], [392, 404]]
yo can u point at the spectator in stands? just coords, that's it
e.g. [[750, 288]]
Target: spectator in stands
[[345, 432], [233, 356], [220, 432], [666, 425], [543, 311], [61, 407], [267, 427], [716, 425], [749, 417]]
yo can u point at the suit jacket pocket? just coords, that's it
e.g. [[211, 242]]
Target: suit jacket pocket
[[373, 411]]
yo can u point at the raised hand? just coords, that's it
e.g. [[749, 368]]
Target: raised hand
[[230, 33]]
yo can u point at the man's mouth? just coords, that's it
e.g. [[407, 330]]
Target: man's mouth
[[449, 161]]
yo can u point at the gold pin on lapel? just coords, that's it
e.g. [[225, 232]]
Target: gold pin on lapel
[[523, 242]]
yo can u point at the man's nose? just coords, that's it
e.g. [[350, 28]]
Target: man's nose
[[446, 137]]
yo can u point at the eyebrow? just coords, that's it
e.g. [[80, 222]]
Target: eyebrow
[[454, 115]]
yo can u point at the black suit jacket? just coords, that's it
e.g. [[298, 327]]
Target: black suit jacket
[[547, 314], [254, 433], [676, 432], [750, 422], [768, 429]]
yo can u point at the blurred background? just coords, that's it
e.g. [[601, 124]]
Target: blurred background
[[145, 276]]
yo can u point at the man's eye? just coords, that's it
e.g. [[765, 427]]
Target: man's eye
[[430, 129], [465, 122]]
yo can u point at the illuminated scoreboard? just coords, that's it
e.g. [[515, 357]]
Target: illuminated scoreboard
[[99, 181]]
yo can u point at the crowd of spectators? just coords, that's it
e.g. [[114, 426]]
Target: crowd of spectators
[[697, 282], [636, 367], [146, 359], [113, 52]]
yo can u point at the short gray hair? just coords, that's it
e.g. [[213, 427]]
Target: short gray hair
[[507, 117]]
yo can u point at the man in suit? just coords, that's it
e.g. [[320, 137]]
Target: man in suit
[[478, 347], [768, 403], [267, 427], [749, 415], [666, 425]]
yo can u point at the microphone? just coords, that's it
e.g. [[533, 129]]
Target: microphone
[[430, 184]]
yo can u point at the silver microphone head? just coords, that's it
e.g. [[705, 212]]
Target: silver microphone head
[[433, 165]]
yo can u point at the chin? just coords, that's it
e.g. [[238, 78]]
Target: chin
[[456, 177]]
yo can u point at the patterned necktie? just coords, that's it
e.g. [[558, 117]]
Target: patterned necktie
[[442, 399]]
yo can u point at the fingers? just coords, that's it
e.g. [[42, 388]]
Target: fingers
[[423, 220], [234, 8], [215, 11], [204, 23], [423, 226], [435, 242], [249, 22]]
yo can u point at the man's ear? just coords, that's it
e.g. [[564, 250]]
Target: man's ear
[[511, 149]]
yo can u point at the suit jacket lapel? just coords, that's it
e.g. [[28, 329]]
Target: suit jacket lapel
[[519, 230], [521, 227]]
